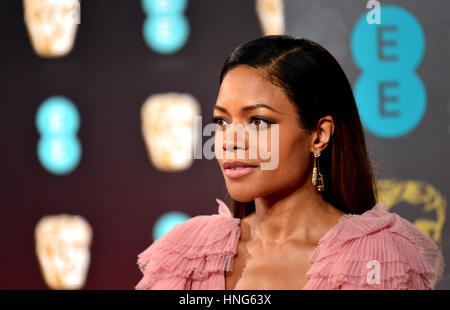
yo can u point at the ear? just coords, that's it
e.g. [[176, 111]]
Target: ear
[[322, 134]]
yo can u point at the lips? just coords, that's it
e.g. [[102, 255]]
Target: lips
[[236, 164], [237, 169]]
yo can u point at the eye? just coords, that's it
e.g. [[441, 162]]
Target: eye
[[261, 121], [220, 121]]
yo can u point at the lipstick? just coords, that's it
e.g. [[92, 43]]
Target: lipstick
[[237, 169]]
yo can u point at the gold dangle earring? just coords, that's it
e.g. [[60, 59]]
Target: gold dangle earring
[[317, 178]]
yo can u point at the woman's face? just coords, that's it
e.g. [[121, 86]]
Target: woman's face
[[247, 99]]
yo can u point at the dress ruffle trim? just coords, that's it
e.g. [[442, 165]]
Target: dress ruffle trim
[[407, 258], [193, 249]]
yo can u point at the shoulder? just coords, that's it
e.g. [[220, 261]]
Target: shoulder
[[376, 250], [192, 249]]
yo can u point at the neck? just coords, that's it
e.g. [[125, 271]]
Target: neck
[[303, 215]]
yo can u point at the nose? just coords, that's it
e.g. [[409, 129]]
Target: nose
[[231, 146], [234, 138]]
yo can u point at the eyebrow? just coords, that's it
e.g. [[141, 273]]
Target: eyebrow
[[248, 108]]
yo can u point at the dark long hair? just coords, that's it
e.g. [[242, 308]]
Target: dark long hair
[[316, 84]]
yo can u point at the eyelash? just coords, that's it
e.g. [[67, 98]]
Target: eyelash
[[252, 119]]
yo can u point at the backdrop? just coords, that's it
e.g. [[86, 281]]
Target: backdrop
[[402, 94]]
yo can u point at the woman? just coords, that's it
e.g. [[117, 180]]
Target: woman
[[299, 225]]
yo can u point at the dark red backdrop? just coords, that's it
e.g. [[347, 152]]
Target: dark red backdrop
[[108, 75]]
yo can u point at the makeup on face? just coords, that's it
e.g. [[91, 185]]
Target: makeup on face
[[237, 169]]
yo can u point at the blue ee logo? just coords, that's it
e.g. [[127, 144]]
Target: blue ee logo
[[166, 29], [166, 222], [58, 148], [391, 97]]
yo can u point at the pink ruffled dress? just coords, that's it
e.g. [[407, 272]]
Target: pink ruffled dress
[[196, 253]]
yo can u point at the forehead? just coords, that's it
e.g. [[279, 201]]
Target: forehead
[[244, 85]]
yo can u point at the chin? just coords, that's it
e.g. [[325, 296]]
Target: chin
[[241, 192]]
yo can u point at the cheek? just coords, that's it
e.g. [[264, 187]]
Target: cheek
[[263, 145], [294, 162]]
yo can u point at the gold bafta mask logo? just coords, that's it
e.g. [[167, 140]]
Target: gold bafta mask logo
[[168, 129], [63, 250], [52, 25], [417, 193], [270, 14]]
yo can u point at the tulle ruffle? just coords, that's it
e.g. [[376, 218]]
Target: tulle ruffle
[[191, 250], [195, 254], [407, 258]]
